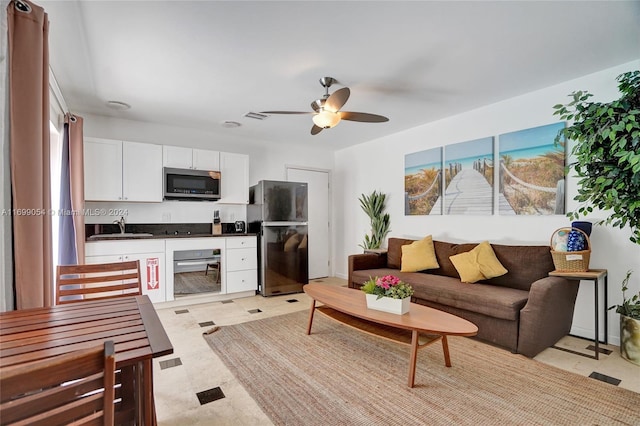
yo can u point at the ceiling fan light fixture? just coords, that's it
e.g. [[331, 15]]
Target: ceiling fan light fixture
[[326, 119]]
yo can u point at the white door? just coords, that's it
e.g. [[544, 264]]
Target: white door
[[318, 196]]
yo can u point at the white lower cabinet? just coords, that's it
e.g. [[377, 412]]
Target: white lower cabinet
[[242, 264], [150, 253], [238, 254]]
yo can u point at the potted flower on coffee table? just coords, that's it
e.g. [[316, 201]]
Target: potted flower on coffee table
[[388, 294]]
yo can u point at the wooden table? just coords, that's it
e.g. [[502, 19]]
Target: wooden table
[[594, 275], [419, 328], [130, 322]]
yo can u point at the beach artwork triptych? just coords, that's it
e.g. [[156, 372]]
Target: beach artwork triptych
[[517, 173]]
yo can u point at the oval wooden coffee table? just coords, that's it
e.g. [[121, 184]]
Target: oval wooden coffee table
[[419, 328]]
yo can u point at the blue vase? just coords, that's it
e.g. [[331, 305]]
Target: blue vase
[[583, 226]]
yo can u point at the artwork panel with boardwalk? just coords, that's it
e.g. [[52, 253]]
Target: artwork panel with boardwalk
[[532, 171], [422, 182], [469, 177]]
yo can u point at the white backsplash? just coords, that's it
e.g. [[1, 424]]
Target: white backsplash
[[165, 212]]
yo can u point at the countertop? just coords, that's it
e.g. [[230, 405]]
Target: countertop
[[95, 238]]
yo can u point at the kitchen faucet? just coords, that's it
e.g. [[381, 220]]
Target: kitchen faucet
[[120, 223]]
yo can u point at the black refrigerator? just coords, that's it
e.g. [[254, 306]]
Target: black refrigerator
[[277, 213]]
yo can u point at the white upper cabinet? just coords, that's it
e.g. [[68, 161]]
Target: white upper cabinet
[[102, 169], [206, 160], [177, 156], [190, 158], [122, 171], [234, 170], [141, 172]]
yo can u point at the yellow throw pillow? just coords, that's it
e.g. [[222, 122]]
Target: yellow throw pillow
[[303, 243], [467, 266], [489, 264], [292, 243], [478, 264], [419, 255]]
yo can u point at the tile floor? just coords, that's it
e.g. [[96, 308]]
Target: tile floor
[[193, 387]]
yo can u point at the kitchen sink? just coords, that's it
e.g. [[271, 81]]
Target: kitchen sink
[[120, 235]]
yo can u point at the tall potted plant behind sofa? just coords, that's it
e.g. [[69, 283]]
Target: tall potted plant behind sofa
[[607, 161], [374, 205], [607, 153]]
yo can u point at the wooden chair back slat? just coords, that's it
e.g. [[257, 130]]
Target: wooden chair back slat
[[76, 283], [74, 388]]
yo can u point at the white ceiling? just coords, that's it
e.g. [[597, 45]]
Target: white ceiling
[[198, 63]]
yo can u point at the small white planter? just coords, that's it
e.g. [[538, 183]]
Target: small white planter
[[387, 304]]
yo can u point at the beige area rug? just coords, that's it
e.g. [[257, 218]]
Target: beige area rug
[[340, 376]]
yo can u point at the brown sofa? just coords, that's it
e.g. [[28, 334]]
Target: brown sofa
[[524, 311]]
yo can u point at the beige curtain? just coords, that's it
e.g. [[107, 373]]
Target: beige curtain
[[29, 147], [76, 175]]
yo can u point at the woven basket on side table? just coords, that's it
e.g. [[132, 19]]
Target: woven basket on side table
[[571, 261]]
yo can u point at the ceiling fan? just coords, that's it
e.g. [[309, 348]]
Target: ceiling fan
[[327, 112]]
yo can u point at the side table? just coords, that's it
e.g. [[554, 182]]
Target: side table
[[594, 275]]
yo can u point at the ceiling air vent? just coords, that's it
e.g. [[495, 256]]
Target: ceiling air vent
[[256, 116]]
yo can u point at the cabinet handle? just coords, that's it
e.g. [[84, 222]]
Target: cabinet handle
[[126, 257]]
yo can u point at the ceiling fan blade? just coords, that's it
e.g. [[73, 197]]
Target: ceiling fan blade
[[337, 99], [362, 116], [315, 130], [285, 112]]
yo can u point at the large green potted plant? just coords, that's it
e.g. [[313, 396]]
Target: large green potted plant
[[606, 154], [629, 312], [374, 205], [606, 159]]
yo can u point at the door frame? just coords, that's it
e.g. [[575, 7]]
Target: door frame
[[288, 167]]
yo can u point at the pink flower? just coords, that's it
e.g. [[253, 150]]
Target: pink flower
[[387, 281]]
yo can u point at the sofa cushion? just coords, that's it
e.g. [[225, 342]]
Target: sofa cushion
[[493, 301], [394, 251], [361, 276], [419, 255], [526, 265], [444, 251]]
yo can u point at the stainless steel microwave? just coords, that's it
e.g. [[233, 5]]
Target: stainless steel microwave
[[189, 184]]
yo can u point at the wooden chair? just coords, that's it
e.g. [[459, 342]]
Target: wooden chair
[[216, 267], [75, 387], [76, 283]]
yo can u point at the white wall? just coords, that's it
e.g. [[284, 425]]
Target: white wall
[[266, 161], [379, 165]]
